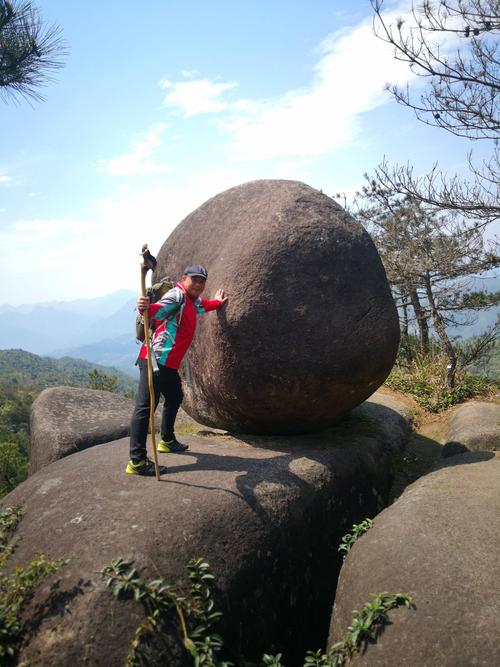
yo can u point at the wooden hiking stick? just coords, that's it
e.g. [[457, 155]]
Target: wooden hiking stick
[[149, 262]]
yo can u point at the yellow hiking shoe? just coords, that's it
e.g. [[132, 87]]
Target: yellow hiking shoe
[[145, 468], [171, 446]]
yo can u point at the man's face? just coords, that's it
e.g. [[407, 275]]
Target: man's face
[[194, 285]]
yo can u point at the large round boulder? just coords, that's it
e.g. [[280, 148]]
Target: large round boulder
[[310, 329], [439, 542]]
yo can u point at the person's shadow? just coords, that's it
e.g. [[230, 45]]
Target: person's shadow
[[335, 452]]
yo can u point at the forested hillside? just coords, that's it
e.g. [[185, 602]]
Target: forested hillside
[[21, 368], [22, 377]]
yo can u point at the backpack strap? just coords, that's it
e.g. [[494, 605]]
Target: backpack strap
[[181, 299]]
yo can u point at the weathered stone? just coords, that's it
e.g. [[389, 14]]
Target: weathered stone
[[474, 426], [266, 512], [310, 329], [440, 543], [65, 420]]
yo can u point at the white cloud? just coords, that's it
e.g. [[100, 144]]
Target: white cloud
[[189, 73], [5, 179], [49, 247], [295, 169], [196, 97], [68, 258], [348, 80], [138, 161]]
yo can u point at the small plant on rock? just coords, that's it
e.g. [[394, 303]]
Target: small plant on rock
[[18, 587], [197, 615], [350, 538], [365, 627], [195, 609]]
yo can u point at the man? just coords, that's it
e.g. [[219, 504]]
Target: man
[[173, 318]]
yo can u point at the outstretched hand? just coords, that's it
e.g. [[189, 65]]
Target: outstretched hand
[[220, 296]]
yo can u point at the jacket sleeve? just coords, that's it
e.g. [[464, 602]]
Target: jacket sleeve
[[165, 307], [205, 305]]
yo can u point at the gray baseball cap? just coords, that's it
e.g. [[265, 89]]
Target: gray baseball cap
[[196, 270]]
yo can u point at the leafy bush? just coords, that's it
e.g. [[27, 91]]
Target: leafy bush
[[197, 615], [17, 587], [13, 467], [15, 405], [195, 608], [424, 377], [102, 381]]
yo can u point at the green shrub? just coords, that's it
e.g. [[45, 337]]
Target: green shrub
[[195, 609], [98, 380], [197, 616], [17, 587], [424, 378], [13, 467]]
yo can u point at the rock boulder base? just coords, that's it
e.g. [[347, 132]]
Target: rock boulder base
[[65, 420], [474, 426], [439, 542], [310, 329], [266, 512]]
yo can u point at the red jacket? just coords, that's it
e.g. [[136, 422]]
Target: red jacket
[[173, 318]]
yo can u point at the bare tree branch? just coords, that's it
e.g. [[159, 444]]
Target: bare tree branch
[[464, 86], [453, 45]]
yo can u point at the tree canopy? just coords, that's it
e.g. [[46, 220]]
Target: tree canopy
[[453, 46], [30, 51]]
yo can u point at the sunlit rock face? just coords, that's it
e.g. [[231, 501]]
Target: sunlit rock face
[[439, 542], [267, 513], [65, 420], [310, 329]]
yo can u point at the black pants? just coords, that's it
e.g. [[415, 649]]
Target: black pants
[[166, 382]]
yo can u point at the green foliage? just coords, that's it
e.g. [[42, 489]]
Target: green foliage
[[22, 376], [486, 363], [30, 371], [29, 51], [365, 627], [13, 467], [197, 615], [15, 405], [195, 609], [350, 538], [9, 518], [102, 381], [17, 587], [271, 660], [424, 378]]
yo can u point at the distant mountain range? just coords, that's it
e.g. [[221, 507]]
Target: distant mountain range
[[120, 352], [100, 330]]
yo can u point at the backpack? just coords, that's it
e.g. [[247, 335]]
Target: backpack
[[155, 292]]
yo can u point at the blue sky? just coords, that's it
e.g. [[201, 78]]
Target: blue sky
[[163, 105]]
